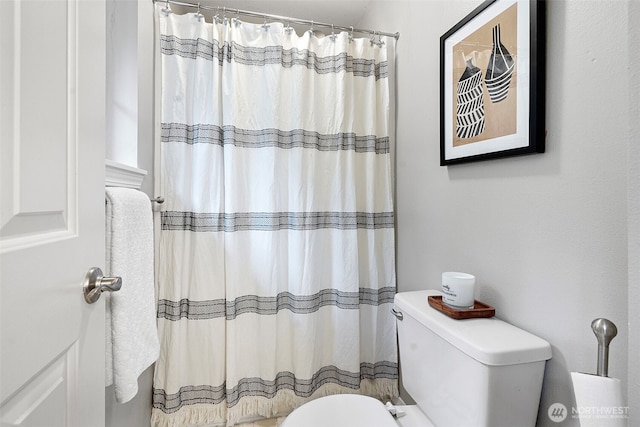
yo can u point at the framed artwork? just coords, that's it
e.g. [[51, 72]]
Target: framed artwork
[[492, 83]]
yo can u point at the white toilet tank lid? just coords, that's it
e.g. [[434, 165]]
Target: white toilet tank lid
[[341, 410], [488, 340]]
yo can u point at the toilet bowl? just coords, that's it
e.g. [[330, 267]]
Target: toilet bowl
[[353, 410], [472, 372], [341, 410]]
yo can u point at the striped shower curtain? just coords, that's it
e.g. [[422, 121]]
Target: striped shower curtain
[[276, 251]]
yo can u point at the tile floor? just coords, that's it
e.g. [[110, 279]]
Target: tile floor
[[271, 422]]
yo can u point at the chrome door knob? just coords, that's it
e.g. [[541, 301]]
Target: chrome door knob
[[95, 284]]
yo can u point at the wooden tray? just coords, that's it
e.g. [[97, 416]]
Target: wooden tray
[[479, 309]]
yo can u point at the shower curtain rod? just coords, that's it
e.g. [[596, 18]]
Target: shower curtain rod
[[286, 19]]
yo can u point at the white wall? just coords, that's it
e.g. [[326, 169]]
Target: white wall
[[146, 98], [546, 235], [129, 86], [122, 82]]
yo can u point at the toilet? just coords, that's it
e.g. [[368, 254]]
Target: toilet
[[461, 373]]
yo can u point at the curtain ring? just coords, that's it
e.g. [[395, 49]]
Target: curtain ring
[[265, 25], [310, 30], [199, 14], [351, 34], [216, 17], [333, 34], [166, 9], [236, 20], [288, 28], [225, 21]]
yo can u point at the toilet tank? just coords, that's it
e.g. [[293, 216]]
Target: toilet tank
[[471, 372]]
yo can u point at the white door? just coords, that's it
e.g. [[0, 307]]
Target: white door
[[52, 79]]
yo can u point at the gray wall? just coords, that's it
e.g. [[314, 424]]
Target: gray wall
[[546, 235], [134, 413], [634, 211], [130, 141]]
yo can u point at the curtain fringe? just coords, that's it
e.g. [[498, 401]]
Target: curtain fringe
[[282, 404], [191, 415], [286, 400]]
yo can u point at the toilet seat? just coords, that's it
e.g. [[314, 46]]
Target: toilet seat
[[341, 410]]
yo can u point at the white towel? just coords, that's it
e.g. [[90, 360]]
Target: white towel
[[131, 328]]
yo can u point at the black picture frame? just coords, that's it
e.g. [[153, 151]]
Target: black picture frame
[[492, 83]]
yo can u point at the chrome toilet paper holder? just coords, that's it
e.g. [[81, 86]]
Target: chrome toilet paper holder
[[605, 330]]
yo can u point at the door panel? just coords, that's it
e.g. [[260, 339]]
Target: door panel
[[51, 211], [43, 402], [39, 138]]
